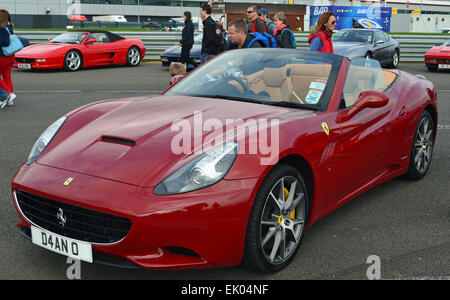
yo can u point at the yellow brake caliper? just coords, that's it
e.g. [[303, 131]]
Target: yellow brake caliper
[[286, 195]]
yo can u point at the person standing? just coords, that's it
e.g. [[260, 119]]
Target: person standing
[[6, 62], [264, 16], [320, 36], [209, 41], [187, 38], [256, 25], [283, 33], [239, 36]]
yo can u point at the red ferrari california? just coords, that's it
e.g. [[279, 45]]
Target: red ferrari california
[[74, 50], [229, 165], [438, 57]]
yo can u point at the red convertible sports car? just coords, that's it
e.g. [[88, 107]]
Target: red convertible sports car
[[229, 165], [438, 57], [74, 50]]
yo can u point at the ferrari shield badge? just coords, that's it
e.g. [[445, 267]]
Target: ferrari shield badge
[[325, 128]]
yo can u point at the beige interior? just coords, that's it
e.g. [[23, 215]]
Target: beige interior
[[303, 75], [360, 79], [292, 82]]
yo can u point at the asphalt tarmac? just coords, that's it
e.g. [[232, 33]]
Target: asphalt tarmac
[[406, 224]]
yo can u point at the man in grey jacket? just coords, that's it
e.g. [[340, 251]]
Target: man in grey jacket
[[263, 14]]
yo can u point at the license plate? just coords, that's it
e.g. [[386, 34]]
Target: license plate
[[444, 66], [62, 245], [24, 66]]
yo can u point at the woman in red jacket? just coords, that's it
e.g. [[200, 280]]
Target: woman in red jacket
[[320, 37], [6, 62]]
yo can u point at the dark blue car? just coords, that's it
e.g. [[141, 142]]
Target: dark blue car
[[173, 54]]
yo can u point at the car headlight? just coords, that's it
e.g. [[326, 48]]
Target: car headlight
[[197, 60], [205, 170], [45, 139], [431, 60]]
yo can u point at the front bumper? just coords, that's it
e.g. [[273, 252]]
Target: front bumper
[[437, 60], [49, 63], [167, 60], [205, 228]]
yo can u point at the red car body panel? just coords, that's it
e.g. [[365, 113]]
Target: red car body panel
[[113, 53], [358, 154], [438, 55]]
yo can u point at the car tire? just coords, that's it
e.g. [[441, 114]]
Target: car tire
[[422, 147], [274, 231], [133, 56], [73, 61], [395, 59]]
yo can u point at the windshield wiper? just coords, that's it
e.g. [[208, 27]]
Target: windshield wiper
[[227, 98], [273, 103], [292, 105]]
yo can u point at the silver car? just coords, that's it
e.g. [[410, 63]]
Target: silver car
[[371, 43]]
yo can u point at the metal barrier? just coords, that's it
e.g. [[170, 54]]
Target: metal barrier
[[412, 47]]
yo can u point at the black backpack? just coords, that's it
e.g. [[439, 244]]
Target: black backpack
[[220, 34]]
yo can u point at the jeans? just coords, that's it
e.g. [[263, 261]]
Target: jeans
[[185, 53], [3, 95], [204, 56]]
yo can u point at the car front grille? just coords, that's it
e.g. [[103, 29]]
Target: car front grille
[[443, 61], [81, 223], [25, 60]]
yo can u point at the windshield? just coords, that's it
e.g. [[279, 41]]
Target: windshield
[[352, 36], [446, 44], [70, 38], [274, 77]]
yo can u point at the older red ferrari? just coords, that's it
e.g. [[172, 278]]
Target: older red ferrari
[[230, 164], [74, 50], [438, 57]]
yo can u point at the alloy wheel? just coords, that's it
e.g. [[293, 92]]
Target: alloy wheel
[[283, 220], [423, 145], [73, 61], [134, 56]]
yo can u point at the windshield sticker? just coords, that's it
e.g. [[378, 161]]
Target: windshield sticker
[[316, 89], [318, 85], [313, 96]]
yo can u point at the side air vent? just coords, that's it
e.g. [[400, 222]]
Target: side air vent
[[115, 140]]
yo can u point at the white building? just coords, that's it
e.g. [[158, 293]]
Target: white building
[[53, 13]]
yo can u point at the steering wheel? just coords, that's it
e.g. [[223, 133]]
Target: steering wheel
[[244, 86]]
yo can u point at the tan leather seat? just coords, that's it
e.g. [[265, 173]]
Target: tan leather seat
[[278, 84], [303, 75]]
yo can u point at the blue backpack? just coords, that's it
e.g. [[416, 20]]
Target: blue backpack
[[293, 41], [265, 39]]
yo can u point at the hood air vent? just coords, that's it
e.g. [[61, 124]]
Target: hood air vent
[[115, 140]]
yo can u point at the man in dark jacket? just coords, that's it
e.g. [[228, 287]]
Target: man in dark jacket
[[257, 25], [187, 38], [210, 41], [240, 39]]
